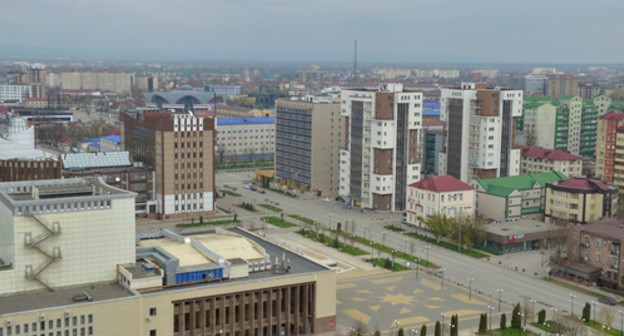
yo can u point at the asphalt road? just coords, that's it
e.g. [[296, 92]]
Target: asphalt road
[[488, 279]]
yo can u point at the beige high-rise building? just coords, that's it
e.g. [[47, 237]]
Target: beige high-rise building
[[180, 148], [561, 85], [381, 149], [307, 143], [112, 81]]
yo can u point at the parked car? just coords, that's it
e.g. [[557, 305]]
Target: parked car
[[327, 200], [608, 300], [260, 190], [247, 186], [253, 187]]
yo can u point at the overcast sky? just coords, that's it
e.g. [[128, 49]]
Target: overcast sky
[[412, 31]]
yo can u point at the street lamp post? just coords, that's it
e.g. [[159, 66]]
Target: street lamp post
[[383, 238], [396, 327], [364, 232], [621, 322], [442, 278], [554, 313], [404, 245], [533, 310], [594, 304], [491, 309], [500, 298], [572, 296], [427, 249], [442, 325], [470, 288], [414, 332]]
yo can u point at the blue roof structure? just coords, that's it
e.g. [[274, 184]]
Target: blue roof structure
[[245, 121], [113, 138], [431, 109]]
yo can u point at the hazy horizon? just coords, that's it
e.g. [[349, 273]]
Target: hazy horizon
[[399, 31]]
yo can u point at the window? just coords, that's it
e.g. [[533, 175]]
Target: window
[[153, 332], [152, 311]]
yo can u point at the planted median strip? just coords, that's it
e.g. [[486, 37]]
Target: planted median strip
[[278, 222], [270, 207]]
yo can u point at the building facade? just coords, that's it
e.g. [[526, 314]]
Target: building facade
[[15, 93], [606, 141], [109, 81], [442, 195], [561, 85], [535, 85], [180, 148], [433, 131], [541, 160], [580, 200], [522, 196], [245, 139], [307, 144], [480, 132], [381, 149]]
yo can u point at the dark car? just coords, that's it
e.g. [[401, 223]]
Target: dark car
[[608, 300]]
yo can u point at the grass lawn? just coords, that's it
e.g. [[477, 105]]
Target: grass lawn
[[394, 228], [278, 222], [270, 207], [600, 327], [244, 208], [301, 218], [396, 267], [219, 222], [285, 193], [510, 332], [231, 193], [466, 251]]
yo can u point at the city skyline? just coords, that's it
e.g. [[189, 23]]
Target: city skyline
[[323, 31]]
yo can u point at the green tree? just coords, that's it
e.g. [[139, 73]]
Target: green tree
[[541, 316], [423, 330], [454, 325], [586, 312], [503, 322], [516, 319], [401, 333], [437, 331], [439, 225], [482, 324]]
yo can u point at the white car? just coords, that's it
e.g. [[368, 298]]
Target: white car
[[327, 200], [247, 186]]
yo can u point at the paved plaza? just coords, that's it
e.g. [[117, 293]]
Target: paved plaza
[[412, 298]]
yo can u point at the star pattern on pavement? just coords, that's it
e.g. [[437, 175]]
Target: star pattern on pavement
[[395, 299]]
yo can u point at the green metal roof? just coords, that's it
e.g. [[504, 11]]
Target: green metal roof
[[503, 186]]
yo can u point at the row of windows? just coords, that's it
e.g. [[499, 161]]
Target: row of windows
[[47, 208], [247, 131], [67, 323]]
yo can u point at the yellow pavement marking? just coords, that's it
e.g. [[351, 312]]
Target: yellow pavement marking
[[430, 284], [431, 307], [357, 315], [386, 281], [462, 312], [405, 311], [375, 308], [396, 299], [390, 288], [435, 298], [346, 286], [412, 320], [364, 291], [465, 299], [358, 299]]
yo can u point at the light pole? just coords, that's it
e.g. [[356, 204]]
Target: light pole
[[459, 239], [554, 312], [442, 325], [594, 304], [404, 245], [427, 248], [491, 309], [621, 322], [330, 222], [500, 298], [383, 238], [364, 232], [572, 296], [441, 270], [396, 327], [414, 332], [470, 280], [533, 310]]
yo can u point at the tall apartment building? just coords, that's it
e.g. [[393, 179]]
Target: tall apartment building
[[180, 148], [381, 149], [245, 139], [15, 93], [307, 143], [562, 85], [535, 85], [112, 81], [433, 140], [480, 132], [606, 144]]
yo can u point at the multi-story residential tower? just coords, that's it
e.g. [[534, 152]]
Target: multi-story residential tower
[[180, 148], [580, 200], [381, 145], [307, 143], [480, 132], [606, 140], [245, 139], [562, 85], [433, 139]]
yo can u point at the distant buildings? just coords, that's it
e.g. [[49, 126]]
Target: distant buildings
[[245, 139], [542, 160], [15, 94], [381, 149], [518, 235], [442, 195], [180, 148], [580, 200], [508, 197], [109, 81], [606, 146], [480, 132], [185, 99], [307, 144], [535, 85], [561, 85]]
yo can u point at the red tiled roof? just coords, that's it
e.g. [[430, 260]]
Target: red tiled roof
[[432, 122], [546, 153], [613, 116], [442, 183], [579, 182]]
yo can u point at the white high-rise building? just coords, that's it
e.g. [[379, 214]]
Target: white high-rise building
[[381, 151], [480, 132]]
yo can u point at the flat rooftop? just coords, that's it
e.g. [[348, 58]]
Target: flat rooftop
[[59, 188], [61, 297], [520, 226]]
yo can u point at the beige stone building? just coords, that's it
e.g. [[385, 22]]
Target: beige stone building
[[580, 200], [307, 144], [180, 148], [541, 160], [106, 282]]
